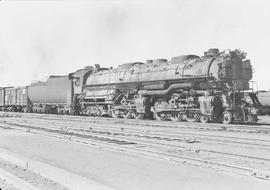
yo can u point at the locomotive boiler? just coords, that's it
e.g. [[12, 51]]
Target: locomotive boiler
[[190, 87]]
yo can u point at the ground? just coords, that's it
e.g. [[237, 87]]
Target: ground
[[122, 171]]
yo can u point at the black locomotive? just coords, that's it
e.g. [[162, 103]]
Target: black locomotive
[[213, 87]]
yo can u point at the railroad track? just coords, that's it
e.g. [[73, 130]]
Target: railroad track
[[156, 154], [199, 137], [254, 128], [159, 146], [172, 135], [138, 137]]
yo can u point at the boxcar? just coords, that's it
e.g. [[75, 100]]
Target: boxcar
[[13, 99], [10, 97], [21, 96], [2, 99]]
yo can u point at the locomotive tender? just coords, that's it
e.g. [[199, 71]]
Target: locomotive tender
[[192, 88]]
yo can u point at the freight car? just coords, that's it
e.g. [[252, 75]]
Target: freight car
[[2, 99], [187, 87], [14, 99], [51, 96]]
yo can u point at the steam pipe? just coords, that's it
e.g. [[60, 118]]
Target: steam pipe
[[165, 91]]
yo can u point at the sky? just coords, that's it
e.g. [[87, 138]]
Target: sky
[[43, 38]]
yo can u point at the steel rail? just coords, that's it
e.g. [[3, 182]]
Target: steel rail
[[190, 158], [168, 124], [161, 135]]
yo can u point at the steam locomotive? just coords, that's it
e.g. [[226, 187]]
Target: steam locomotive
[[213, 87]]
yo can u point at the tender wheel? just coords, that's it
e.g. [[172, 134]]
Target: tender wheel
[[227, 117], [192, 117], [204, 119], [160, 116]]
